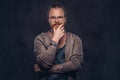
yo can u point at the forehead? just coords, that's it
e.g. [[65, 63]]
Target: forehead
[[56, 12]]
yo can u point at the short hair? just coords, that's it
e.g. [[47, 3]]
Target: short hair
[[56, 5]]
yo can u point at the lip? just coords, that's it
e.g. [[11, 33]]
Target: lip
[[57, 24]]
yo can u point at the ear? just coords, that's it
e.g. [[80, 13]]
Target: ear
[[65, 20], [48, 20]]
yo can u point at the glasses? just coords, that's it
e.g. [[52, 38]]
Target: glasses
[[53, 17]]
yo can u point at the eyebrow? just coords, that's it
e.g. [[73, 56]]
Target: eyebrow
[[56, 17]]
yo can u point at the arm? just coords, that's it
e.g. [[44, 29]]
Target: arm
[[75, 59], [44, 55]]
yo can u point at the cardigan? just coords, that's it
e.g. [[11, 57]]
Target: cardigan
[[45, 54]]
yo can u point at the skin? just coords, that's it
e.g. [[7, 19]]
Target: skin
[[57, 21]]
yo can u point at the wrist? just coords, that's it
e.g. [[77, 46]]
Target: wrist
[[55, 40], [53, 43]]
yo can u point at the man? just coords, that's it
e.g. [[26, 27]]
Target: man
[[58, 53]]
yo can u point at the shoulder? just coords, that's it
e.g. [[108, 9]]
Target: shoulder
[[41, 36], [73, 36]]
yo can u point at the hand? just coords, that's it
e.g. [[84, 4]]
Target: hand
[[36, 68], [58, 33], [56, 68]]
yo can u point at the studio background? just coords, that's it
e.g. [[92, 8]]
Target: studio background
[[95, 21]]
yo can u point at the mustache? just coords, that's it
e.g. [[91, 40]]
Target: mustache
[[57, 24]]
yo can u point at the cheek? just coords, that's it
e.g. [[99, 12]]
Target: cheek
[[50, 22], [64, 21]]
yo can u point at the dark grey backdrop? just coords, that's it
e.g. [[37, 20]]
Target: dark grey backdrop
[[95, 21]]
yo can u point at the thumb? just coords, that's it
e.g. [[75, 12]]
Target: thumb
[[53, 29]]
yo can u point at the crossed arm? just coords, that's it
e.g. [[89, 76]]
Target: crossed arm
[[45, 58]]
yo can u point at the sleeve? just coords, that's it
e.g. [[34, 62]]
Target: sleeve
[[44, 55], [75, 61]]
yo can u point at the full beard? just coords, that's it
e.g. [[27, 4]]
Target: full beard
[[56, 25]]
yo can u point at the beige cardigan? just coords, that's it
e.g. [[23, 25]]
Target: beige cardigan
[[45, 53]]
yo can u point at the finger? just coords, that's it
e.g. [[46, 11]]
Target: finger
[[54, 68], [60, 26], [62, 30], [53, 29]]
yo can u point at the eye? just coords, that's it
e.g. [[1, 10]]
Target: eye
[[52, 17], [60, 17]]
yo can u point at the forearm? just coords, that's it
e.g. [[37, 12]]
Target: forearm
[[44, 54], [67, 66], [45, 58], [70, 66]]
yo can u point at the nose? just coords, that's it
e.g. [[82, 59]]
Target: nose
[[56, 20]]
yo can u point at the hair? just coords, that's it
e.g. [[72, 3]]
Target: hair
[[56, 5]]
